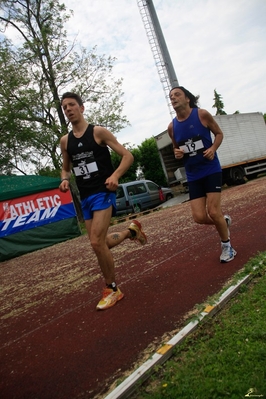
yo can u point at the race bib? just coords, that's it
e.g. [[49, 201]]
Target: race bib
[[85, 169], [192, 146]]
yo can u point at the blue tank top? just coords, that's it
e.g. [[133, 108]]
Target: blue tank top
[[194, 138]]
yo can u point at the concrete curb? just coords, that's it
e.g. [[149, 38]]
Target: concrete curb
[[131, 383]]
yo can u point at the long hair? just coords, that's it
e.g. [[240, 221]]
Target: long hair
[[193, 100]]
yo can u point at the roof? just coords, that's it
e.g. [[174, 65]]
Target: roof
[[19, 186]]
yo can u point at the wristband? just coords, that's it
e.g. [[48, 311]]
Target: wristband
[[65, 179]]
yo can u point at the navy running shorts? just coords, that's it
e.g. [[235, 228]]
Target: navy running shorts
[[208, 184]]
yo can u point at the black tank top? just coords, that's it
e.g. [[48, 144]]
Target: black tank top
[[91, 163]]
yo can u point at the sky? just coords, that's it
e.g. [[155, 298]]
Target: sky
[[214, 45]]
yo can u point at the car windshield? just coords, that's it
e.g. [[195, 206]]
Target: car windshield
[[119, 192]]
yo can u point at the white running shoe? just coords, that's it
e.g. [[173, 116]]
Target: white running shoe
[[228, 253]]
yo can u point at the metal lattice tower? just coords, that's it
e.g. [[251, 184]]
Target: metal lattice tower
[[159, 49]]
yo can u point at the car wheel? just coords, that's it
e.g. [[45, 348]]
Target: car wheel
[[168, 197]]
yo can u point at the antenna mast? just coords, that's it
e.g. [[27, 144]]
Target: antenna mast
[[159, 49]]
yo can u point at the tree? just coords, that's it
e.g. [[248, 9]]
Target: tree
[[131, 174], [43, 65], [218, 104], [150, 162]]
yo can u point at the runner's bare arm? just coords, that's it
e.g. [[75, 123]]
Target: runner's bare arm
[[208, 121], [105, 137], [66, 168], [177, 152]]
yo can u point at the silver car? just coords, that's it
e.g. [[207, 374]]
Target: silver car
[[136, 196]]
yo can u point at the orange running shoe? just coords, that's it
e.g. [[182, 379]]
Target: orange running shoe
[[109, 298], [139, 236]]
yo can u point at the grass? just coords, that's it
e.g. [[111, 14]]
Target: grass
[[226, 356]]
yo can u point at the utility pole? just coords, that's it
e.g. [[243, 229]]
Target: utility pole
[[159, 48]]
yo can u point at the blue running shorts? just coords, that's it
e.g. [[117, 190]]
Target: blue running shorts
[[98, 202]]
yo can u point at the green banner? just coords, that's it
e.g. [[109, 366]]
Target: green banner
[[37, 238]]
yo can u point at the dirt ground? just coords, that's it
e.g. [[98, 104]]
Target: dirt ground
[[53, 342]]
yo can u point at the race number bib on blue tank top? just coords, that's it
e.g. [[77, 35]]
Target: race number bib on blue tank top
[[192, 146]]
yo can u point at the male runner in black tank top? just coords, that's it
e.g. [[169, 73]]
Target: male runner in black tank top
[[85, 151]]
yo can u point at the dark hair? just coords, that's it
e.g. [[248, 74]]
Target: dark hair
[[193, 100], [70, 94]]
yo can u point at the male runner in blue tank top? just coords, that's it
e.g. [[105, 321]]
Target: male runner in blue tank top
[[85, 151], [190, 132]]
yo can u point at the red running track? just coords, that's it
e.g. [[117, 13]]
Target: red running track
[[54, 344]]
